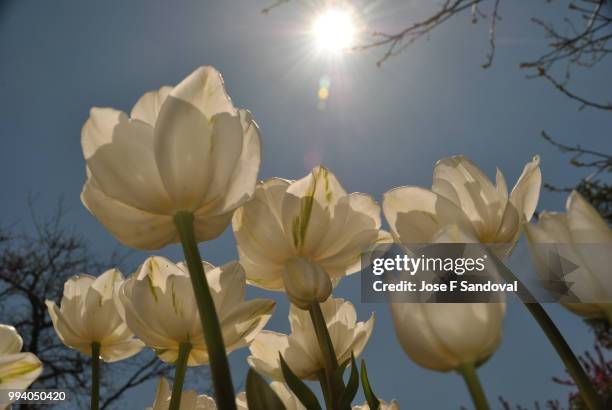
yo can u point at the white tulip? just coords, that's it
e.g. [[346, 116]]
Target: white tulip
[[17, 370], [181, 149], [463, 203], [190, 400], [463, 206], [444, 336], [394, 405], [291, 401], [312, 219], [581, 234], [160, 308], [88, 314], [301, 350]]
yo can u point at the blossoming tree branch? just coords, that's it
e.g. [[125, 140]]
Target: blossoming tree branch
[[183, 165]]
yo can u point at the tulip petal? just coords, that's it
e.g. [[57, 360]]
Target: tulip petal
[[462, 182], [309, 206], [263, 245], [508, 230], [585, 223], [551, 228], [526, 192], [227, 283], [124, 349], [354, 214], [442, 336], [76, 286], [266, 276], [10, 341], [241, 325], [148, 328], [264, 353], [73, 300], [258, 226], [416, 215], [171, 310], [148, 106], [204, 89], [238, 178], [105, 284], [500, 184], [132, 227], [209, 227], [591, 237], [417, 338], [474, 328], [94, 308], [125, 168], [68, 334], [98, 129], [157, 269], [19, 370], [227, 143], [183, 152]]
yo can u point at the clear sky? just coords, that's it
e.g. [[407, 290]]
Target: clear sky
[[381, 128]]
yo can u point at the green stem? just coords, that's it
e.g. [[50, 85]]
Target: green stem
[[95, 376], [321, 375], [587, 392], [179, 375], [219, 366], [468, 371], [330, 360]]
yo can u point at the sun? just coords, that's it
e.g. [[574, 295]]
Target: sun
[[334, 30]]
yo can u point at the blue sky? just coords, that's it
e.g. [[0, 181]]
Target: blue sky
[[381, 128]]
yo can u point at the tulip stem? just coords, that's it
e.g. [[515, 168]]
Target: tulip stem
[[179, 375], [219, 366], [587, 392], [468, 371], [95, 375], [327, 351]]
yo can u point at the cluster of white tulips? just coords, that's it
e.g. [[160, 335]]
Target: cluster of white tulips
[[183, 165]]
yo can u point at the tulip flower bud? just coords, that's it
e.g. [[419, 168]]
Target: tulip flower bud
[[306, 282]]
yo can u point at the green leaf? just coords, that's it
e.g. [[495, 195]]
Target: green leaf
[[351, 387], [260, 395], [298, 387], [339, 377], [373, 402]]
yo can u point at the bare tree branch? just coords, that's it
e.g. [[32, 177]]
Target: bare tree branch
[[492, 29], [33, 268], [584, 102], [274, 5], [395, 43], [597, 191], [585, 47]]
